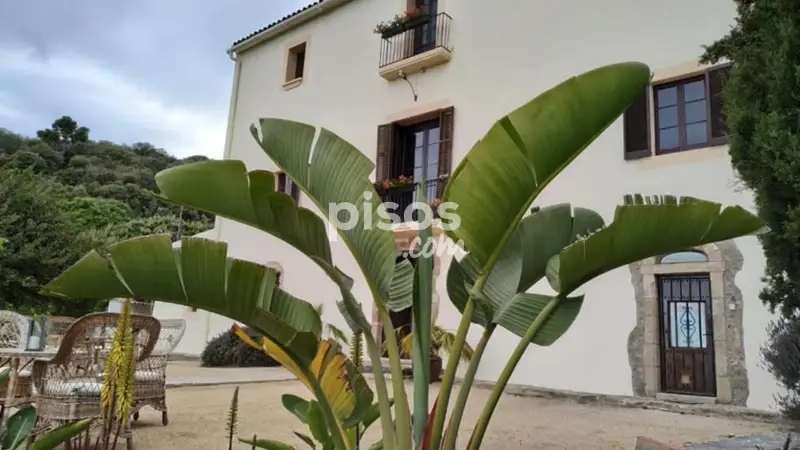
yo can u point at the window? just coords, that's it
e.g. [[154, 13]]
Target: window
[[413, 147], [286, 186], [296, 64], [689, 256], [686, 114]]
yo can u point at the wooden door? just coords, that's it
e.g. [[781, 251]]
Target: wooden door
[[687, 336]]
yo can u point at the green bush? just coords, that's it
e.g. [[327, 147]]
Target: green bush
[[226, 350]]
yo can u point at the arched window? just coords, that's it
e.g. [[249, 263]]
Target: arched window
[[689, 256]]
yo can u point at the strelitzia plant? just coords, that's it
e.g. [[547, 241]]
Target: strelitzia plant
[[510, 247], [17, 432]]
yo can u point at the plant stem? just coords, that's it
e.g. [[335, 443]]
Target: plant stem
[[389, 439], [403, 416], [450, 374], [463, 394], [505, 375], [340, 441]]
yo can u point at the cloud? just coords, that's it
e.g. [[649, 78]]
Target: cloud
[[183, 131]]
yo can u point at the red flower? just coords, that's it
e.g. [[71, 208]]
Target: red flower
[[386, 184], [401, 178]]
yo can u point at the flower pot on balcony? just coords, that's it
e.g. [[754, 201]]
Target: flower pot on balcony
[[409, 24]]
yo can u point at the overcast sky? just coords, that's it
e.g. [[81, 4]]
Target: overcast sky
[[131, 70]]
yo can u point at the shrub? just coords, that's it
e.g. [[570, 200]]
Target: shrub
[[781, 354], [226, 349]]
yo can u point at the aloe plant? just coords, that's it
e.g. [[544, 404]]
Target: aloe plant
[[511, 247]]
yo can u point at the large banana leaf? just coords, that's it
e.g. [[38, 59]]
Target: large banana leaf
[[226, 189], [539, 236], [331, 171], [200, 275], [495, 184], [645, 227], [345, 389]]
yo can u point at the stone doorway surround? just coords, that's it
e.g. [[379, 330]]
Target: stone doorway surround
[[404, 234], [644, 352]]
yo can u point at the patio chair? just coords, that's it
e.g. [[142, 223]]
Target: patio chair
[[55, 329], [14, 332], [150, 385], [69, 385]]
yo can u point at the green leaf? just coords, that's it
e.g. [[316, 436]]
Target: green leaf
[[199, 275], [331, 171], [267, 444], [546, 232], [372, 414], [226, 189], [500, 177], [19, 427], [401, 289], [518, 314], [62, 434], [316, 423], [306, 439], [296, 406], [646, 227], [538, 237]]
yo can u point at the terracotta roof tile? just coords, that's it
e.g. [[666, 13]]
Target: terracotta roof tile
[[279, 21]]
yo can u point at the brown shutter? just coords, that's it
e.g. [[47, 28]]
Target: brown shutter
[[446, 130], [716, 83], [295, 193], [281, 182], [385, 149], [636, 125]]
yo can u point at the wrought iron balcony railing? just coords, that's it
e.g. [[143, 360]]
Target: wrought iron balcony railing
[[399, 200], [414, 38]]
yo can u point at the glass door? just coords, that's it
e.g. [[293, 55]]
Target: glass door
[[425, 34]]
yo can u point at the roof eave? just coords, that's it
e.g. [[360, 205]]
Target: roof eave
[[287, 25]]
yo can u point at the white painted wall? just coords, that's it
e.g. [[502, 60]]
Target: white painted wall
[[504, 53]]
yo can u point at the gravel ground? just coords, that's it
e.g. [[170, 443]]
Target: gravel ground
[[197, 421]]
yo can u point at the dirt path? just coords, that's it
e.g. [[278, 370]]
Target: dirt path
[[197, 421]]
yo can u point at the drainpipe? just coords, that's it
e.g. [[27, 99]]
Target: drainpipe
[[228, 141]]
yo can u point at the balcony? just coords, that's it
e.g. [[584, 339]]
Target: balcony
[[417, 45], [405, 196]]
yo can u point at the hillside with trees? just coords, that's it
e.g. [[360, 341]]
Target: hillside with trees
[[62, 194]]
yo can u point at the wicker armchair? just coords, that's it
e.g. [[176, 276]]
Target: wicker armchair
[[151, 375], [55, 329], [14, 333], [68, 385]]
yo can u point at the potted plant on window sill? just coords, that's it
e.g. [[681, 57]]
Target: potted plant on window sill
[[402, 22]]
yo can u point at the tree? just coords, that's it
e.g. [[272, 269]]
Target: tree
[[64, 132], [509, 252], [761, 113], [41, 242]]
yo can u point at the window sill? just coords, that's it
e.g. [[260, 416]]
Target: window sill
[[291, 84], [416, 63], [681, 157]]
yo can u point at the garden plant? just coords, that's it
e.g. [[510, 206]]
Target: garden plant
[[510, 246]]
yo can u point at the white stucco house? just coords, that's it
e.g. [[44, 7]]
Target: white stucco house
[[686, 324]]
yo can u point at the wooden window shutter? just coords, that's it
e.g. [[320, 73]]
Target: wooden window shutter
[[385, 149], [716, 82], [446, 130], [281, 182], [636, 125]]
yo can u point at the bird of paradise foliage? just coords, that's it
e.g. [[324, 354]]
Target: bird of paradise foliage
[[510, 245]]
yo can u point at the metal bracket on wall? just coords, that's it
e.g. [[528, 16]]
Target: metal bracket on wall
[[405, 77]]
